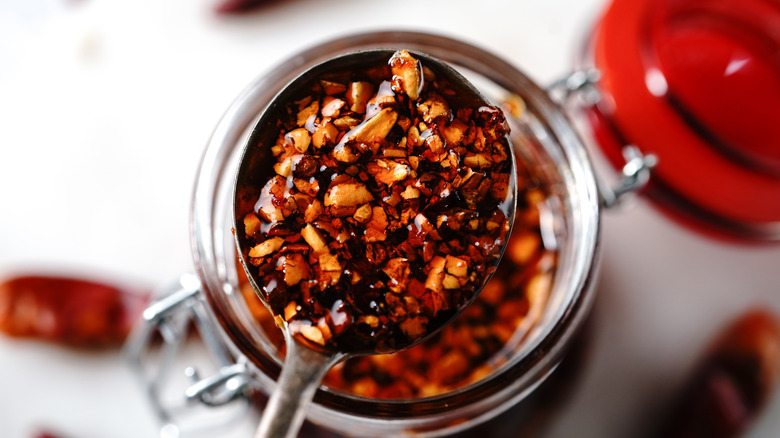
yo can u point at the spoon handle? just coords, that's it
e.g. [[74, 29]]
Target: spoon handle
[[301, 374]]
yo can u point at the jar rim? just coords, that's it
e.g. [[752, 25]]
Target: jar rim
[[528, 372]]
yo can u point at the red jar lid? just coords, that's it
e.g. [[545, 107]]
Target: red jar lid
[[697, 83]]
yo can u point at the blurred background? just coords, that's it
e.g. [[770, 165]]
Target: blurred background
[[106, 107]]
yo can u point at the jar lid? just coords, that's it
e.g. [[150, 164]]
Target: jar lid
[[697, 83]]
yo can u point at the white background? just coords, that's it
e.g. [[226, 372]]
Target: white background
[[106, 106]]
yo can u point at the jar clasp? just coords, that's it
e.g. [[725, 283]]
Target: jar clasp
[[635, 174], [157, 342]]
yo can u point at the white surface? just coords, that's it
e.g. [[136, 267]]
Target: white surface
[[105, 108]]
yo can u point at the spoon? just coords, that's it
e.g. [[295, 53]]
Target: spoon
[[372, 204]]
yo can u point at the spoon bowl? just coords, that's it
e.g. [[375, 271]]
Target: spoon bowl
[[466, 198]]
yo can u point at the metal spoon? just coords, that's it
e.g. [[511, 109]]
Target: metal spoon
[[305, 366]]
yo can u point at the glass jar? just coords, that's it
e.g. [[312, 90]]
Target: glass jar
[[544, 139]]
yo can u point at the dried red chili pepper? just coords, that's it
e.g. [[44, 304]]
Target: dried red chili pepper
[[733, 382], [71, 311], [230, 7], [46, 435]]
